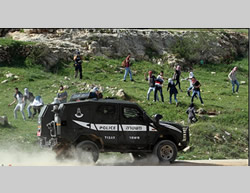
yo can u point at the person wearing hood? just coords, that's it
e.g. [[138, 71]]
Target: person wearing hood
[[20, 103], [62, 95], [78, 64], [28, 96], [191, 114], [172, 91], [37, 105], [233, 79], [191, 75]]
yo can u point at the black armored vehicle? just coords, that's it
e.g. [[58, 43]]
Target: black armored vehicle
[[109, 125]]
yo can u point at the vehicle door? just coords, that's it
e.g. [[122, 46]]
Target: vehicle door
[[106, 122], [132, 125]]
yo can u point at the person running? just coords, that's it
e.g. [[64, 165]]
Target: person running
[[20, 103], [233, 79], [78, 64], [30, 97], [127, 68], [191, 114], [196, 90], [62, 95], [177, 76], [158, 86], [172, 91], [151, 80]]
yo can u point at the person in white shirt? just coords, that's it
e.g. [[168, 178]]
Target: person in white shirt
[[20, 103]]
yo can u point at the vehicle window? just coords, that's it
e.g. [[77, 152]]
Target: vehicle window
[[106, 109], [129, 112]]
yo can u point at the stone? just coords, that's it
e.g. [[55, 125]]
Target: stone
[[4, 81], [9, 75], [186, 149], [213, 73], [120, 93], [201, 111], [4, 120], [242, 82], [66, 78]]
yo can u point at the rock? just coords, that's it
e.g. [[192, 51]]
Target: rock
[[201, 111], [217, 137], [120, 93], [16, 77], [66, 78], [227, 133], [242, 82], [4, 81], [66, 86], [186, 149], [213, 73], [4, 120], [9, 75]]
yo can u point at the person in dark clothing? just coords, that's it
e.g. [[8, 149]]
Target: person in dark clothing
[[196, 90], [177, 76], [158, 86], [78, 64], [191, 114], [172, 91], [151, 80]]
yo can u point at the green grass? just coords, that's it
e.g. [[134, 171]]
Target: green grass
[[216, 93]]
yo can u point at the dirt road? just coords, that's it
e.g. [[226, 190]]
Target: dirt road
[[236, 162]]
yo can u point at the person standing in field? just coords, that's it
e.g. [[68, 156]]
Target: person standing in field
[[127, 65], [233, 79], [151, 80], [172, 91], [158, 86], [191, 75], [20, 103], [78, 64], [191, 114], [177, 76], [196, 90]]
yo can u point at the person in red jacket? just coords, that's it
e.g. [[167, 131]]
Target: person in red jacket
[[127, 68]]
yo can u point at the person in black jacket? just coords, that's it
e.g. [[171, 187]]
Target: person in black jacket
[[151, 80], [78, 64], [177, 76], [172, 91], [196, 90]]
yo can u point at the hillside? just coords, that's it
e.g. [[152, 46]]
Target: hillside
[[224, 136]]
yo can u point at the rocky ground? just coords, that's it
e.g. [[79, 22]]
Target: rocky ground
[[157, 46]]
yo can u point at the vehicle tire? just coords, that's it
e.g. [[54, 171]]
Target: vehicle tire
[[139, 156], [166, 151], [89, 147]]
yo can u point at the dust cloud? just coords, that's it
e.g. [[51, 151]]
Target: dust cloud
[[16, 156]]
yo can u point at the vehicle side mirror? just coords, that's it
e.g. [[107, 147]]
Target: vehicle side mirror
[[158, 117]]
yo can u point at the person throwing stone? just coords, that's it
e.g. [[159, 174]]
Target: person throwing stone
[[20, 103]]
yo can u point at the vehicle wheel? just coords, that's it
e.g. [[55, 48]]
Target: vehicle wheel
[[139, 156], [166, 151], [86, 148]]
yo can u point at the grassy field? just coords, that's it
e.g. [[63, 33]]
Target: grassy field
[[216, 94]]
